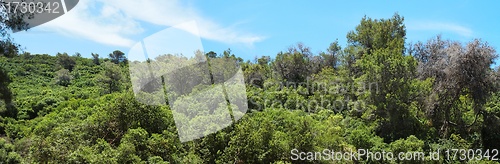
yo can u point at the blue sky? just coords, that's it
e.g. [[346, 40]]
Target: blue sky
[[253, 28]]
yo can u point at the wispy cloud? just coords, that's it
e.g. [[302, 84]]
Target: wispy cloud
[[441, 27], [113, 22]]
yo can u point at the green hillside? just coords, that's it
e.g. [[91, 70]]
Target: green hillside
[[378, 93]]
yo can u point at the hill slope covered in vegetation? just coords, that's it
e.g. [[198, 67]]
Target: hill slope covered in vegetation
[[377, 93]]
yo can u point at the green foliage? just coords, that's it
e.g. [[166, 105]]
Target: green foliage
[[332, 57], [11, 21], [117, 57], [256, 74], [463, 82], [382, 62], [292, 66], [63, 77], [373, 34], [8, 153], [66, 61], [5, 93], [376, 93], [111, 78], [8, 48], [95, 59], [260, 139]]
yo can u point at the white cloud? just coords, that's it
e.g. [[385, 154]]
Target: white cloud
[[116, 20], [442, 27], [108, 27]]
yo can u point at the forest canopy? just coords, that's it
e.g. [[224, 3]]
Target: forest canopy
[[377, 93]]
